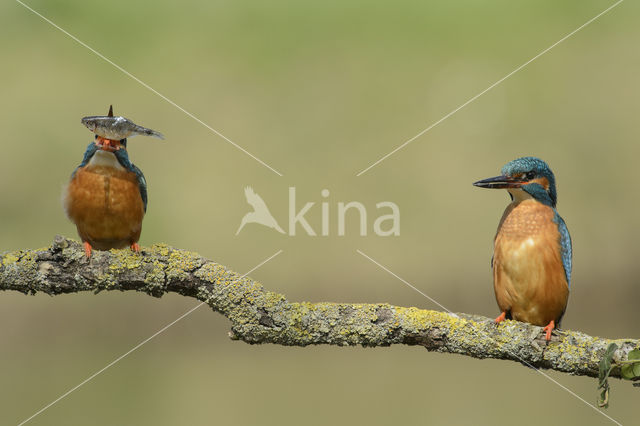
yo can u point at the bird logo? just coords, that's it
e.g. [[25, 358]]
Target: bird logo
[[260, 213]]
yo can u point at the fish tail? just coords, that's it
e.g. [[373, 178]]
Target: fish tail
[[149, 132], [156, 134]]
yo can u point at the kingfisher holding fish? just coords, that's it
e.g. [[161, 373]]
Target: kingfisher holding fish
[[532, 247], [106, 196]]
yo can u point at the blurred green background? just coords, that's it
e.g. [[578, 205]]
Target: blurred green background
[[319, 91]]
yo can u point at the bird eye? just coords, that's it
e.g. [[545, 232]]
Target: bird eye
[[530, 175]]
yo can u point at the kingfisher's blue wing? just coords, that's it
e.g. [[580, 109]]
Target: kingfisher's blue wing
[[565, 246], [142, 184], [88, 153], [123, 159]]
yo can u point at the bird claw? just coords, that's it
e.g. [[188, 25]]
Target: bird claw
[[135, 247], [500, 318], [548, 330], [87, 249]]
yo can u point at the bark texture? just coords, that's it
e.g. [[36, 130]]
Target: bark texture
[[261, 316]]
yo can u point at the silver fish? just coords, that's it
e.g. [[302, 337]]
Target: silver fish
[[116, 128]]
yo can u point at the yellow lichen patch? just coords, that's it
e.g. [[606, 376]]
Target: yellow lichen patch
[[25, 258], [156, 275], [419, 319], [213, 272], [296, 314], [184, 260], [271, 299], [106, 280], [572, 355], [181, 262], [9, 259], [124, 259], [159, 249], [252, 291], [324, 308]]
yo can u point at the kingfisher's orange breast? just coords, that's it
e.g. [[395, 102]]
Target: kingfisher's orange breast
[[106, 206], [528, 275]]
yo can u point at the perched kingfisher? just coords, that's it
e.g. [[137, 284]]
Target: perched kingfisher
[[532, 247], [107, 196]]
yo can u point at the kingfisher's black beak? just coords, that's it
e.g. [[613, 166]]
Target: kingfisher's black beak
[[500, 182]]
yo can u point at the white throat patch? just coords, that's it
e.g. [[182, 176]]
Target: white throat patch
[[105, 159], [519, 195]]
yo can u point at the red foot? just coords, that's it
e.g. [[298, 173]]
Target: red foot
[[135, 247], [548, 329], [87, 250], [501, 318]]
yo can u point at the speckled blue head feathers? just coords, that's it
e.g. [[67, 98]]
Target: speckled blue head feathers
[[540, 181], [529, 174]]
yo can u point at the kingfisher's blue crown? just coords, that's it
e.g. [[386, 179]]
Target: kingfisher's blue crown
[[534, 168]]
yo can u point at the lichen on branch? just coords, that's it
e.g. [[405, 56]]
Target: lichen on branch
[[261, 316]]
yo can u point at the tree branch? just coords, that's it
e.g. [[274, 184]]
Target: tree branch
[[261, 316]]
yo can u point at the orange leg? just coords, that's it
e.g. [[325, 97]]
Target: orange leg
[[548, 329], [135, 247], [87, 249], [501, 318]]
